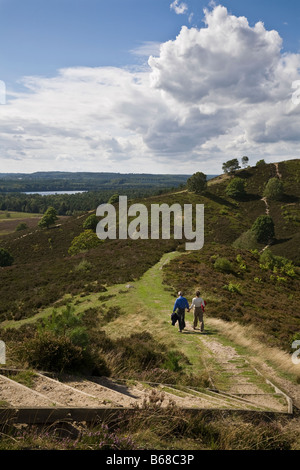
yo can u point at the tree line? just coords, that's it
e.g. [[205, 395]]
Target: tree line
[[70, 204]]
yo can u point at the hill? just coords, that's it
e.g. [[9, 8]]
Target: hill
[[116, 299], [43, 271]]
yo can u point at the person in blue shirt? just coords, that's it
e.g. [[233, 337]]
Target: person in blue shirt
[[180, 305]]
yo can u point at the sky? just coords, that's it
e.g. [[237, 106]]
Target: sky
[[147, 86]]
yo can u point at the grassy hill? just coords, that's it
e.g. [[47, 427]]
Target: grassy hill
[[250, 291], [43, 271]]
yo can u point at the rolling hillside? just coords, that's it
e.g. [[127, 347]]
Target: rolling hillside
[[117, 297]]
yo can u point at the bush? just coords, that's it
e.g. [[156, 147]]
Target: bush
[[275, 263], [91, 223], [140, 352], [21, 226], [236, 188], [263, 229], [63, 342], [84, 242], [53, 353], [247, 241], [273, 189], [234, 288], [6, 258], [83, 266], [223, 265]]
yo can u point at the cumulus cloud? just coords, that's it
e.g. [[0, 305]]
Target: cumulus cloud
[[180, 8], [229, 65], [217, 92]]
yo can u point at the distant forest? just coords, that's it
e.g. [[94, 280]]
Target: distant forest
[[98, 187]]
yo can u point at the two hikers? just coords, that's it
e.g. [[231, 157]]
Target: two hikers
[[181, 303]]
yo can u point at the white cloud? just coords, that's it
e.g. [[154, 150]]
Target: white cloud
[[146, 49], [180, 8], [218, 92]]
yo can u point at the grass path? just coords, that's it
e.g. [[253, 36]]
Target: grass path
[[146, 305]]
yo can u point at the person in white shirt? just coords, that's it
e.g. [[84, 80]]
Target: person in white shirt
[[198, 304]]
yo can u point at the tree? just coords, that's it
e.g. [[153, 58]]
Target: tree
[[273, 189], [245, 161], [113, 199], [91, 223], [84, 242], [260, 162], [197, 182], [6, 258], [231, 166], [263, 228], [49, 218], [236, 188]]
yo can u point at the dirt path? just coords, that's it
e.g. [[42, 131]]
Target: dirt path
[[279, 175], [235, 376]]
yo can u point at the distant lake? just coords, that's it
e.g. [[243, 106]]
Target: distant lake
[[51, 193]]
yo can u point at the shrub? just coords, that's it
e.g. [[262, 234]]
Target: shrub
[[273, 189], [246, 241], [91, 223], [53, 353], [21, 226], [263, 228], [269, 261], [236, 188], [6, 258], [172, 361], [234, 288], [242, 264], [223, 265], [83, 266], [84, 242], [63, 342]]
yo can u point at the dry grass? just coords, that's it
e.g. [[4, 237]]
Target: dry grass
[[248, 337]]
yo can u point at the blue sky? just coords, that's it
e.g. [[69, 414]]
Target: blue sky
[[41, 36], [50, 48]]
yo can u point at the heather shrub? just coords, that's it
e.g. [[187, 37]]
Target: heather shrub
[[6, 258], [223, 265], [21, 226]]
